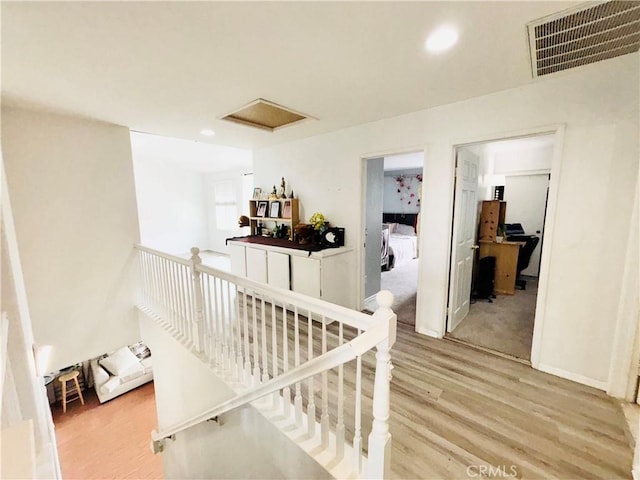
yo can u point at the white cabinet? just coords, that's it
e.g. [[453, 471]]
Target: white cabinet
[[278, 270], [305, 276], [327, 274], [257, 264], [238, 260]]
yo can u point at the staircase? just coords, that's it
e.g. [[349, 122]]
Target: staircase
[[307, 366]]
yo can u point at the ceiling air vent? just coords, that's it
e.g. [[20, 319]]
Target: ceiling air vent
[[265, 115], [588, 35]]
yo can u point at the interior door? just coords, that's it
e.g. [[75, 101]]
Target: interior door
[[373, 225], [465, 213]]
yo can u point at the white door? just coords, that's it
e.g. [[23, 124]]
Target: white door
[[278, 270], [257, 264], [465, 213]]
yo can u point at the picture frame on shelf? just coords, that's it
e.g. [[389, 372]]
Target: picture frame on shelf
[[274, 210], [257, 193], [286, 211], [262, 209]]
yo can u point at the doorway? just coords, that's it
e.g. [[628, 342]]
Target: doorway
[[392, 196], [500, 199]]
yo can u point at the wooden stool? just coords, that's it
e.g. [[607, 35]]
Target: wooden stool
[[67, 377]]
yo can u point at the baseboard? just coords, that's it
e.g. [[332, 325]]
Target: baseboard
[[558, 372], [429, 332]]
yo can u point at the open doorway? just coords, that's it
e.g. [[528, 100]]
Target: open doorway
[[393, 190], [499, 213]]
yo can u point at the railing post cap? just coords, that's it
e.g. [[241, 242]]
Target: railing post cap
[[195, 251], [384, 299]]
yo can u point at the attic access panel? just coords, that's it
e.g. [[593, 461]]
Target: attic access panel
[[265, 115], [573, 38]]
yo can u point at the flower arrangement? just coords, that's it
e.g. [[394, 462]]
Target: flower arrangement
[[318, 221]]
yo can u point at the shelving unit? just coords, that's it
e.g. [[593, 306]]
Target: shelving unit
[[289, 214]]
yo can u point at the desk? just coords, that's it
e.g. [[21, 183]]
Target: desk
[[506, 254]]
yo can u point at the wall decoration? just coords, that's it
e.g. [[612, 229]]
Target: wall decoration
[[274, 210], [262, 209], [256, 193], [409, 188]]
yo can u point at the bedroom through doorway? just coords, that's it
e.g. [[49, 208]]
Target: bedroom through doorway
[[393, 190]]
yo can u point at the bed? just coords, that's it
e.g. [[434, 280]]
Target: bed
[[399, 239]]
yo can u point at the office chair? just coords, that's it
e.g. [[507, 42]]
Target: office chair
[[515, 233]]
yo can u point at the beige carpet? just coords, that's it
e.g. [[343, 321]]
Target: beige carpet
[[506, 325], [403, 283]]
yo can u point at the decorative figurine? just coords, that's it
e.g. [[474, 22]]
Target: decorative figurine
[[283, 186], [274, 194]]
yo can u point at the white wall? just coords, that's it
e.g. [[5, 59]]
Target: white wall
[[216, 237], [175, 188], [392, 199], [72, 192], [598, 104], [531, 160], [526, 197], [171, 204]]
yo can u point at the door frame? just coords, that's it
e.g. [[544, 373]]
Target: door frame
[[558, 131], [363, 223]]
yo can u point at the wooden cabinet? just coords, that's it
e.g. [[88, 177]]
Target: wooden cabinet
[[260, 211], [325, 274], [506, 254], [492, 215]]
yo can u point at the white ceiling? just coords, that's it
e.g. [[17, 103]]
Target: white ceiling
[[173, 68]]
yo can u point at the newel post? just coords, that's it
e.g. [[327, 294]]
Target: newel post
[[379, 457], [198, 307]]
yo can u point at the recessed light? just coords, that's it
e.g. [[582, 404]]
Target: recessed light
[[207, 132], [442, 39]]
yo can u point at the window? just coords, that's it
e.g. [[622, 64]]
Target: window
[[226, 205]]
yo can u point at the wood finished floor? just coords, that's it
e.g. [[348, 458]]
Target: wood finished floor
[[110, 440], [453, 408]]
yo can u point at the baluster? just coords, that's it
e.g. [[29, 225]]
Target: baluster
[[183, 304], [256, 361], [172, 297], [340, 421], [274, 350], [196, 287], [154, 282], [324, 417], [247, 359], [175, 298], [211, 351], [239, 359], [144, 277], [188, 306], [379, 444], [223, 323], [230, 337], [311, 405], [357, 434], [263, 336], [297, 400], [163, 289], [286, 392], [218, 330]]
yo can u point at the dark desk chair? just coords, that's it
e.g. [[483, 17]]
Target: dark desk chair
[[515, 233]]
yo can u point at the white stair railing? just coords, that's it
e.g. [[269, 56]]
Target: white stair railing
[[271, 345]]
